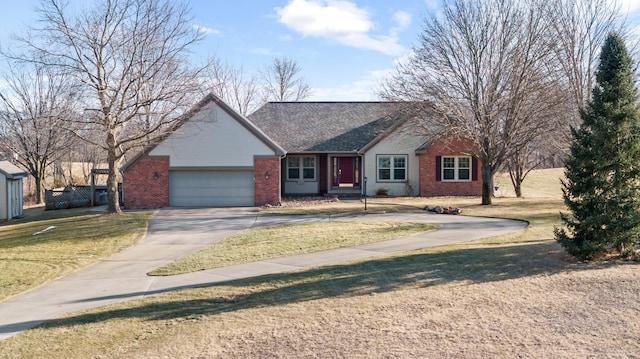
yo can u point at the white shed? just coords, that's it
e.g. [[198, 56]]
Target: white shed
[[10, 190]]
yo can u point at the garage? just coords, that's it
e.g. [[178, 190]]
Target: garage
[[212, 157], [211, 188]]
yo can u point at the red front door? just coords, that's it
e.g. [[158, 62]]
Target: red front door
[[346, 171]]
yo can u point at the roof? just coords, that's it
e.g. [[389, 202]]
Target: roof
[[327, 126], [11, 171]]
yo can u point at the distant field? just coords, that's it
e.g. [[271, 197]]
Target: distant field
[[538, 183]]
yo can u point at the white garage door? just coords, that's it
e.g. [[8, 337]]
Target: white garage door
[[211, 188]]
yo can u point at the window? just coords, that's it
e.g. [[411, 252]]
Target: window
[[392, 168], [301, 167], [308, 167], [456, 168]]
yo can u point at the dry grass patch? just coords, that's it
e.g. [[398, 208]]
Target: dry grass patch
[[80, 237], [271, 242], [538, 183], [470, 301], [515, 295]]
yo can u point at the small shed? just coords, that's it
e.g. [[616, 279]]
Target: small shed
[[11, 190]]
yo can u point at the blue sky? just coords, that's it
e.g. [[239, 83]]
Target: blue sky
[[345, 48]]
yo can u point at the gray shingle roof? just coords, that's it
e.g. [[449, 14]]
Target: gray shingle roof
[[325, 126]]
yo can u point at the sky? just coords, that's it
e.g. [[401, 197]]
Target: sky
[[345, 48]]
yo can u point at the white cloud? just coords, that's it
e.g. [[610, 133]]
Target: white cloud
[[402, 18], [206, 30], [320, 18], [338, 20]]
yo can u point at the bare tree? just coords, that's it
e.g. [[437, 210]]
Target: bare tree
[[542, 151], [131, 58], [579, 28], [36, 106], [232, 84], [282, 81], [483, 67], [77, 164], [546, 128]]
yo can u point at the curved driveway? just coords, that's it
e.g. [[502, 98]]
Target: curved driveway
[[175, 232]]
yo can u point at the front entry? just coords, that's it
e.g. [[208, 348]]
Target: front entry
[[345, 172]]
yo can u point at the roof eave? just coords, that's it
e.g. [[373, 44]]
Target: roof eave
[[14, 175]]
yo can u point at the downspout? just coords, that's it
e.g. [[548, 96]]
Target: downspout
[[122, 202]]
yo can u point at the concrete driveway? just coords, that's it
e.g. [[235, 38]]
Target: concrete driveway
[[175, 232]]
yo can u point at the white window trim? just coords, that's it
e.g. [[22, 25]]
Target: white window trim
[[301, 169], [392, 168], [456, 169]]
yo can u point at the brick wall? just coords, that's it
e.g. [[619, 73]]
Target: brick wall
[[266, 190], [430, 187], [146, 183]]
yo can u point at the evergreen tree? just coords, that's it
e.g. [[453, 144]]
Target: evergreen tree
[[602, 187]]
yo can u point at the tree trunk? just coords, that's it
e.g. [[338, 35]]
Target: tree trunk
[[38, 174], [518, 188], [516, 173], [487, 184], [113, 200], [516, 179], [39, 179]]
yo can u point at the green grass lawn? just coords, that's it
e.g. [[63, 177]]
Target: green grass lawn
[[75, 239]]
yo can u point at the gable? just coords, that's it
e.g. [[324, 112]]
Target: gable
[[402, 139], [214, 136]]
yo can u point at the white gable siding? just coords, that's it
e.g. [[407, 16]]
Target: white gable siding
[[3, 198], [397, 143], [211, 138]]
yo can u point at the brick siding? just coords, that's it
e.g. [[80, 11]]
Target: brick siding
[[146, 183], [430, 187], [266, 190]]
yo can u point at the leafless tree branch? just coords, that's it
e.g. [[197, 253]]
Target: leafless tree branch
[[130, 56]]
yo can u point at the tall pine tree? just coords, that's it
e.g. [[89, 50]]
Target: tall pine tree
[[602, 188]]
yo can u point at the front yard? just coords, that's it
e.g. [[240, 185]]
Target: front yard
[[516, 295], [47, 245]]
